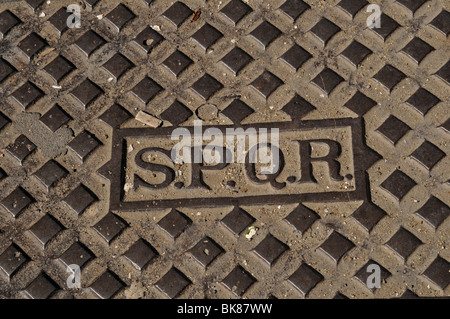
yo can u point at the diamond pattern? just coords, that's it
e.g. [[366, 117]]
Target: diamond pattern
[[4, 120], [45, 229], [393, 129], [32, 44], [27, 94], [148, 39], [368, 215], [328, 80], [41, 288], [236, 60], [146, 90], [59, 19], [17, 201], [141, 254], [296, 56], [363, 274], [206, 251], [238, 281], [302, 218], [237, 220], [6, 70], [294, 8], [404, 243], [266, 84], [444, 72], [173, 283], [118, 65], [77, 254], [59, 68], [80, 199], [398, 184], [305, 278], [428, 154], [176, 114], [207, 86], [35, 3], [90, 42], [423, 100], [434, 211], [352, 6], [21, 148], [360, 104], [12, 259], [177, 13], [417, 49], [265, 33], [237, 111], [177, 62], [87, 92], [325, 30], [8, 21], [55, 118], [439, 272], [107, 285], [109, 227], [270, 249], [441, 22], [50, 173], [336, 246], [120, 16], [235, 10], [174, 223], [84, 144], [356, 53], [387, 26], [206, 36], [412, 5], [389, 76], [115, 116]]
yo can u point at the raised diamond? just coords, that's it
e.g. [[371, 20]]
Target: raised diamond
[[6, 70], [328, 80], [59, 68], [77, 254], [441, 22], [237, 220], [305, 279], [140, 254], [8, 21], [12, 259], [80, 199], [206, 36], [41, 288], [393, 129], [118, 65], [27, 94], [238, 281], [45, 229], [17, 201], [87, 92], [84, 144], [423, 100], [146, 90], [236, 60], [173, 283], [265, 33], [174, 223], [177, 62], [55, 118], [439, 272], [177, 13], [32, 44], [325, 30], [21, 148], [302, 218], [107, 285], [417, 49], [120, 16], [360, 104], [404, 243], [428, 154], [336, 246], [148, 39], [352, 6], [89, 42], [398, 184], [109, 227], [50, 173], [176, 114], [387, 26], [368, 215], [205, 251], [434, 211], [270, 249], [235, 10], [296, 56], [364, 273], [207, 86], [266, 84], [237, 111], [356, 52], [294, 8]]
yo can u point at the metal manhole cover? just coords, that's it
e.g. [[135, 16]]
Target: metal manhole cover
[[227, 149]]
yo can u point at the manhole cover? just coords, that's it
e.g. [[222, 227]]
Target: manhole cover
[[224, 149]]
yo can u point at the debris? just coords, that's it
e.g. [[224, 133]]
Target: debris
[[100, 16], [127, 187], [206, 251], [196, 15], [47, 51], [149, 42], [56, 87], [110, 79], [148, 119], [42, 14], [251, 232], [156, 27]]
